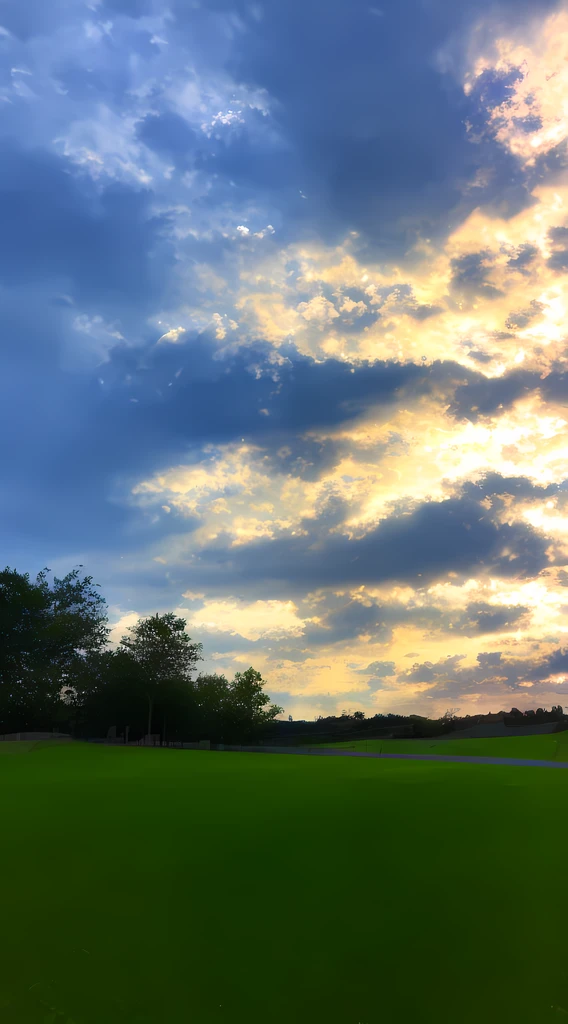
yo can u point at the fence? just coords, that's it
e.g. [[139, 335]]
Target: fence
[[207, 745], [11, 736]]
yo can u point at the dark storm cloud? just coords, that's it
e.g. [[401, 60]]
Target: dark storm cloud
[[523, 317], [482, 396], [489, 660], [469, 276], [492, 88], [425, 312], [58, 227], [343, 619], [453, 535], [362, 122], [493, 485], [530, 123], [221, 399], [350, 621], [379, 669], [481, 618], [253, 159], [557, 662], [85, 459], [559, 239], [493, 671], [480, 357], [524, 256], [303, 457], [554, 387], [87, 444]]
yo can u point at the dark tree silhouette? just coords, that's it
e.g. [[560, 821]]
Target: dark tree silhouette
[[42, 634], [246, 704], [162, 651]]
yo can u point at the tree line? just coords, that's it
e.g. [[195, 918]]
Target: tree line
[[356, 725], [56, 671]]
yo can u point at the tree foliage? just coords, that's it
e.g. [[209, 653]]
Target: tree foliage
[[161, 651], [42, 633], [246, 714], [55, 670]]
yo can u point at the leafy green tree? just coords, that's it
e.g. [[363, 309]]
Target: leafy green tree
[[116, 694], [162, 651], [246, 705], [42, 633], [101, 690], [212, 697]]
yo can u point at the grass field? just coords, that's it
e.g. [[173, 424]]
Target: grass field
[[163, 886], [552, 747], [16, 747]]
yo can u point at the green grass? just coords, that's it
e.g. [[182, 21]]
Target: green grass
[[552, 747], [163, 886], [16, 746]]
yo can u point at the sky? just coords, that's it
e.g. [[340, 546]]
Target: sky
[[283, 350]]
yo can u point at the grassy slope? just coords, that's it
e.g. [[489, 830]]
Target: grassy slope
[[16, 746], [164, 886], [552, 747]]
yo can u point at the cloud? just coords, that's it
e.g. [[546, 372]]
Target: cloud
[[526, 114], [469, 277], [98, 246], [559, 239], [458, 540], [276, 620]]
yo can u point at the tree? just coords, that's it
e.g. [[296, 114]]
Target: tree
[[162, 651], [449, 715], [246, 703], [212, 697], [42, 633]]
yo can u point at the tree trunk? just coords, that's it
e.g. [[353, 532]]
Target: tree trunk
[[150, 709]]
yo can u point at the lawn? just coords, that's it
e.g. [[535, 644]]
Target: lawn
[[16, 746], [165, 886], [551, 747]]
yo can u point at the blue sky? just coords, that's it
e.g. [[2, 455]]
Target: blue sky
[[283, 301]]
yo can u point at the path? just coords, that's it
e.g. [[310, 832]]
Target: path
[[329, 752], [468, 758]]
